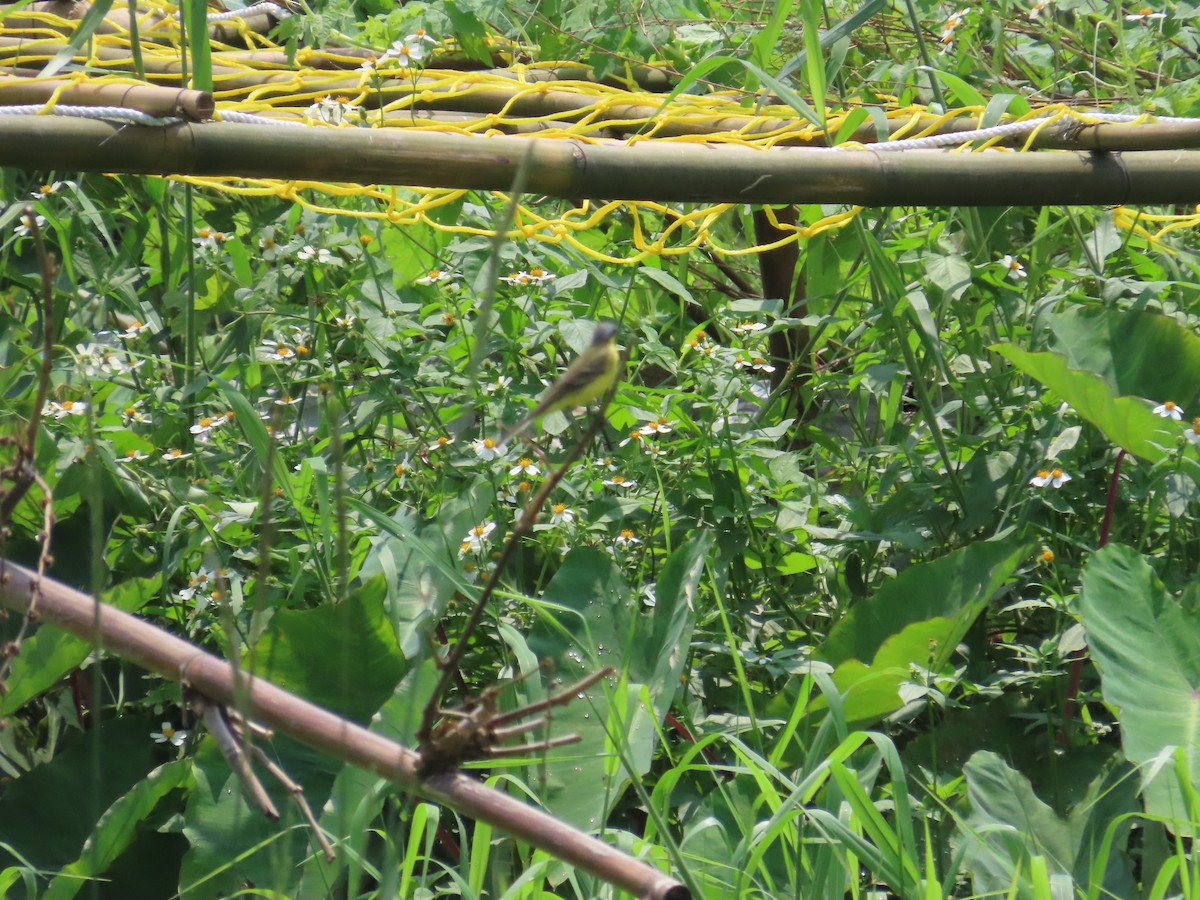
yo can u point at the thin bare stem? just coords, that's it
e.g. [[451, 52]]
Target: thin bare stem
[[524, 525]]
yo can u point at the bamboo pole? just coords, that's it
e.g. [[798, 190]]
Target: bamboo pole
[[152, 23], [150, 99], [649, 170], [154, 649], [614, 112]]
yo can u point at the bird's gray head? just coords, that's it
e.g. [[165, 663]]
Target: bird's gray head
[[604, 332]]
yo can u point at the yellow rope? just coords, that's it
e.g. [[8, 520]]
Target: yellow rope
[[587, 110]]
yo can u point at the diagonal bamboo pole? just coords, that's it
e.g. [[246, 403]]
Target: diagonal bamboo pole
[[154, 649], [649, 170]]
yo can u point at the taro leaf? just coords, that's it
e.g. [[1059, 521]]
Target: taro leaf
[[591, 619], [50, 654], [1126, 421], [417, 568], [960, 582], [118, 828], [358, 796], [342, 656], [916, 620], [1137, 353], [1008, 825], [1148, 652], [233, 844], [48, 812]]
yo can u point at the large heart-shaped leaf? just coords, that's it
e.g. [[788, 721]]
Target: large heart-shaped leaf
[[1128, 422], [592, 619], [1148, 652]]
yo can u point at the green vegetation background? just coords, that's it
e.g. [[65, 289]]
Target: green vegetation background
[[849, 550]]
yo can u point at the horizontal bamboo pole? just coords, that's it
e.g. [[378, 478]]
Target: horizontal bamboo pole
[[148, 98], [152, 648], [1116, 137], [153, 24], [571, 169], [624, 113], [635, 114]]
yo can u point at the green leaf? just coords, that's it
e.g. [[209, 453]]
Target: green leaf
[[469, 31], [954, 587], [357, 796], [118, 828], [1148, 652], [233, 844], [951, 273], [787, 95], [48, 812], [83, 32], [591, 619], [1126, 421], [255, 432], [840, 30], [999, 105], [1007, 826], [667, 281], [957, 88], [850, 124], [916, 620], [810, 14], [50, 654], [1138, 353], [766, 39], [342, 656]]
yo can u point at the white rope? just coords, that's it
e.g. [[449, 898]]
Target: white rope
[[242, 118], [273, 9], [960, 137], [1012, 128], [120, 113]]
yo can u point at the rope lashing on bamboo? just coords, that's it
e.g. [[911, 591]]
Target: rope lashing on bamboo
[[363, 88], [267, 8], [1011, 129], [115, 113]]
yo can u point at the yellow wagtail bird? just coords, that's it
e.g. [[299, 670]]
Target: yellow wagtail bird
[[587, 378]]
